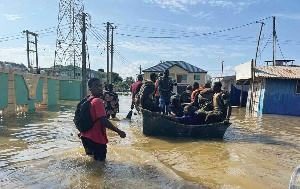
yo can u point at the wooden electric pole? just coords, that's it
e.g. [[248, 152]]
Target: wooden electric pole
[[274, 42], [111, 53], [34, 51], [107, 51], [84, 87], [140, 69], [258, 41]]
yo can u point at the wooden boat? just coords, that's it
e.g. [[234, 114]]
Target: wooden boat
[[159, 126]]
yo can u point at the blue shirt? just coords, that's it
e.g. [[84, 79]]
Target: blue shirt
[[193, 119]]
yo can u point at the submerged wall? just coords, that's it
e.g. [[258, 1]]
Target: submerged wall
[[280, 97], [21, 92]]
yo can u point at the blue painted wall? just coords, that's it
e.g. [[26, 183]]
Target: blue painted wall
[[280, 97], [235, 95]]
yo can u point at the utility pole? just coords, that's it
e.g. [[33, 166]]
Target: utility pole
[[140, 69], [27, 37], [107, 51], [111, 53], [222, 67], [261, 27], [84, 88], [274, 42], [28, 48]]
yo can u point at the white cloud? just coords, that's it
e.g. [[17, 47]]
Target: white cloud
[[183, 5], [289, 16], [12, 17], [133, 68]]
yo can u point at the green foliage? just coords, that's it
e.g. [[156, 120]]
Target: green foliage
[[125, 85]]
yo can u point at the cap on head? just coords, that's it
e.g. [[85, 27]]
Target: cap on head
[[207, 85], [189, 87]]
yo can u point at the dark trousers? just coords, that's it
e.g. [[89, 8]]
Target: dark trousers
[[92, 148]]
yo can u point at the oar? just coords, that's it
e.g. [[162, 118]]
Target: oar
[[129, 115]]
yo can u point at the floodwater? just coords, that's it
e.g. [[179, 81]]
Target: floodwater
[[41, 150]]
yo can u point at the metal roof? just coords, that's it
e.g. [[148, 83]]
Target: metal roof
[[284, 72], [161, 67]]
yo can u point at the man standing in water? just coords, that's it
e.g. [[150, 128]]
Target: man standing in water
[[95, 139], [135, 88]]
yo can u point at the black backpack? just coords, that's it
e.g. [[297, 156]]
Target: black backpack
[[82, 118]]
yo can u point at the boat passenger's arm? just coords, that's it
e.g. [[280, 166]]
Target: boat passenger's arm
[[229, 108], [164, 116], [110, 126]]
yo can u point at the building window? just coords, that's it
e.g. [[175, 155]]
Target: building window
[[196, 77], [181, 78], [298, 87]]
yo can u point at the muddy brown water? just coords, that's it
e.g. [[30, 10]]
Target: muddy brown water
[[41, 150]]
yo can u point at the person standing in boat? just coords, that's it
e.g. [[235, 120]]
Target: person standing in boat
[[196, 89], [147, 94], [156, 94], [221, 105], [135, 88], [95, 139], [111, 102], [165, 88]]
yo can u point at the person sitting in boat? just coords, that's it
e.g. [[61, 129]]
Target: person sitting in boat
[[185, 96], [146, 94], [156, 94], [176, 108], [111, 102], [196, 89], [190, 116], [203, 99], [221, 106], [135, 88]]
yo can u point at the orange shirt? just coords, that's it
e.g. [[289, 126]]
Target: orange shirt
[[98, 132], [156, 89], [194, 93]]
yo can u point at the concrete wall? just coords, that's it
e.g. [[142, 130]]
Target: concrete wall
[[21, 92], [280, 97], [70, 90], [3, 90]]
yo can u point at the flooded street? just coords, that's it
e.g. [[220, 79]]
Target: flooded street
[[42, 150]]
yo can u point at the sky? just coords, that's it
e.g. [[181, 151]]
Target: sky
[[201, 32]]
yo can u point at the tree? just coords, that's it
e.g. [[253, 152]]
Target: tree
[[116, 78]]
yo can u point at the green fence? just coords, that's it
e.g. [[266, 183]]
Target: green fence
[[22, 93], [3, 90], [52, 91], [69, 90]]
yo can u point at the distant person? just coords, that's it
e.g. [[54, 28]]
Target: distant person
[[135, 88], [95, 139], [156, 95], [185, 96], [196, 89], [176, 108], [146, 94], [165, 88], [111, 102]]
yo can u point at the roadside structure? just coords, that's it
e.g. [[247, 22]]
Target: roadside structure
[[274, 89], [181, 72], [238, 90]]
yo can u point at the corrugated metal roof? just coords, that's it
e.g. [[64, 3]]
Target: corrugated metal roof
[[278, 72], [161, 67]]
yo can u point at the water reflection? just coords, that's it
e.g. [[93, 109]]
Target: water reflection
[[41, 150]]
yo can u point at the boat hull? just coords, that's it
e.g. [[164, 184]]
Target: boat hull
[[158, 126]]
